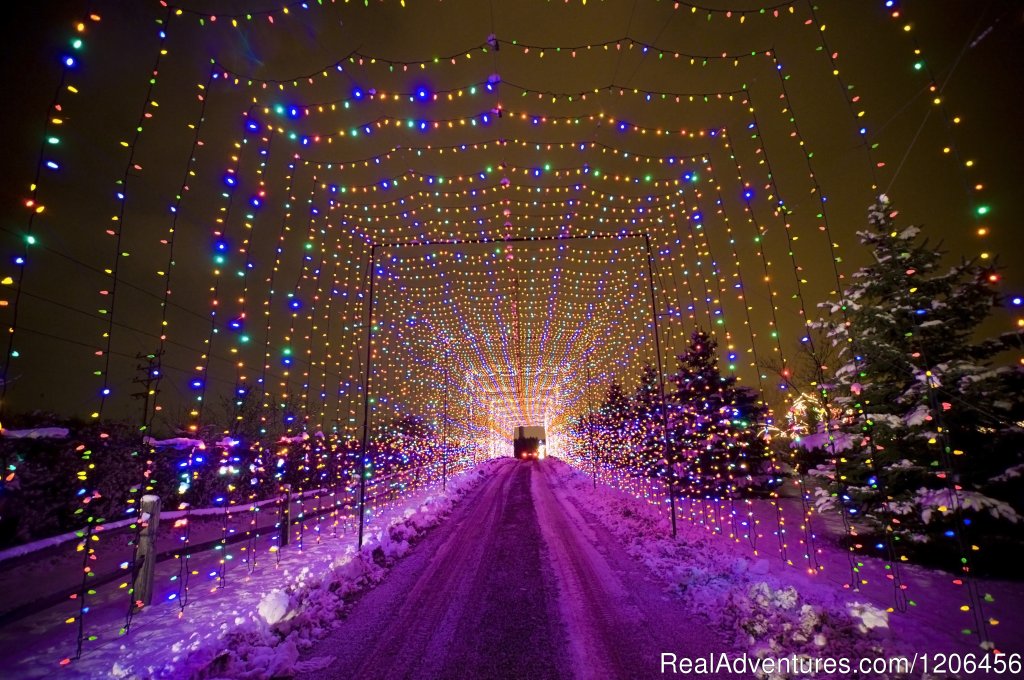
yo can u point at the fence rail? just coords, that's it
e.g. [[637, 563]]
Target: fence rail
[[292, 516]]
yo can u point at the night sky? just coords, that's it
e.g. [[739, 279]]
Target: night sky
[[494, 321]]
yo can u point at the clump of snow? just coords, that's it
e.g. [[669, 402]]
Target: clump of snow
[[946, 501], [178, 443], [888, 419], [1011, 473], [868, 616], [273, 607], [299, 438], [833, 441], [918, 416]]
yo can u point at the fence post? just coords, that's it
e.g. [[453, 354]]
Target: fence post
[[143, 586], [286, 514]]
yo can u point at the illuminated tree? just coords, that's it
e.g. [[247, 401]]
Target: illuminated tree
[[407, 441], [932, 425], [613, 426], [715, 425], [647, 422]]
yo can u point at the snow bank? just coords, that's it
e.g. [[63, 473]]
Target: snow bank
[[264, 636], [764, 613], [37, 433]]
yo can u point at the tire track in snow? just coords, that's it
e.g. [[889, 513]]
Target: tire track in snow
[[423, 627], [519, 582], [472, 599], [618, 619]]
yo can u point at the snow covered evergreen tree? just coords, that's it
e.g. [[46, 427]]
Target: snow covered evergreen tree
[[932, 429], [714, 425]]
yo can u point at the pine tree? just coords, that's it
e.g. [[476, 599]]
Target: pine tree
[[648, 442], [612, 418], [714, 425], [931, 424]]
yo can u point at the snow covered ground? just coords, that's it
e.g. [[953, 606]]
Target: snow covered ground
[[516, 584], [538, 572], [770, 607], [253, 626]]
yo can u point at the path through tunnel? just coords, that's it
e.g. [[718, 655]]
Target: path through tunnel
[[520, 582]]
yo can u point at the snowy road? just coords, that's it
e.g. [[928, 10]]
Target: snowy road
[[518, 583]]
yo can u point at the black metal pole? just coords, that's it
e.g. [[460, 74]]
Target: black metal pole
[[661, 382], [366, 400], [444, 424], [590, 425]]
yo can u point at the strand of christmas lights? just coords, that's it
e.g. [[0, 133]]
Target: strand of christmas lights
[[359, 58], [772, 459], [155, 372], [775, 10], [423, 95], [118, 226], [419, 151], [892, 561], [979, 210], [307, 445], [288, 203], [91, 534], [975, 600], [221, 237], [852, 101], [55, 119], [759, 237], [696, 228]]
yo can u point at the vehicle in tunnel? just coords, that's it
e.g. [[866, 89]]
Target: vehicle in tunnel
[[529, 443]]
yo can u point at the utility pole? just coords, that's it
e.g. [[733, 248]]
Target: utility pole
[[148, 376]]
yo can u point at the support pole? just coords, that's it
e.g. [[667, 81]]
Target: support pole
[[366, 400], [590, 426], [444, 440], [286, 515], [146, 557], [661, 382]]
